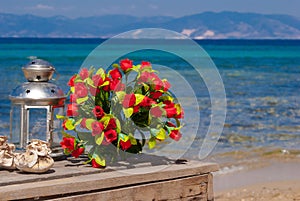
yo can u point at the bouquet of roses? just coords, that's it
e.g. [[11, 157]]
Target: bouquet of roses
[[118, 111]]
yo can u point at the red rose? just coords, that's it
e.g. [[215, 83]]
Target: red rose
[[111, 124], [166, 85], [95, 164], [129, 100], [117, 85], [84, 73], [111, 135], [125, 64], [77, 152], [71, 81], [151, 79], [97, 80], [73, 98], [169, 103], [115, 74], [97, 128], [125, 145], [114, 85], [147, 102], [145, 64], [144, 77], [156, 111], [175, 135], [80, 90], [171, 111], [155, 94], [158, 84], [83, 123], [68, 143], [98, 112], [72, 110], [136, 109]]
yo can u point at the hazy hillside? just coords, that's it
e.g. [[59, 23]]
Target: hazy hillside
[[203, 25]]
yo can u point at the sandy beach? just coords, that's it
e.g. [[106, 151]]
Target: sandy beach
[[270, 175], [280, 190]]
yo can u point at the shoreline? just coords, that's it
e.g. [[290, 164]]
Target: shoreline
[[257, 175]]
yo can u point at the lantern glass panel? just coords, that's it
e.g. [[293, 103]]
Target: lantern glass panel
[[15, 124], [37, 123], [57, 127]]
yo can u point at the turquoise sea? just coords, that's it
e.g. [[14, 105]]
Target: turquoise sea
[[261, 79]]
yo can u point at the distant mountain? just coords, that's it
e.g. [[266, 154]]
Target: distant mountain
[[236, 25], [198, 26]]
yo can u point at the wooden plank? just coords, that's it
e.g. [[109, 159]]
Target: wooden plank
[[191, 188], [60, 169], [210, 191], [66, 178], [67, 169]]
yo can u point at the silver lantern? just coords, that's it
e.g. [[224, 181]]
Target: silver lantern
[[35, 104]]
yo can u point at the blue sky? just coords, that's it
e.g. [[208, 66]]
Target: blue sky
[[176, 8]]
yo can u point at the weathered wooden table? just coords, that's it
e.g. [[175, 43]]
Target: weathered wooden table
[[152, 179]]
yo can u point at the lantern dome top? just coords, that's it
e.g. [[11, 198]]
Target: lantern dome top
[[38, 70], [38, 93]]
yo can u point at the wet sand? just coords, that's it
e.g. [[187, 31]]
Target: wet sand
[[269, 175], [272, 191]]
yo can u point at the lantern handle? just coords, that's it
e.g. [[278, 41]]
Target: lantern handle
[[56, 77]]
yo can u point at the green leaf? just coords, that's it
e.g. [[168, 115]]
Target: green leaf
[[104, 84], [136, 68], [99, 160], [118, 129], [60, 116], [101, 72], [105, 120], [67, 135], [91, 70], [138, 98], [72, 89], [115, 65], [152, 143], [178, 123], [161, 135], [69, 124], [89, 122], [178, 107], [128, 112], [81, 100], [146, 87], [90, 82], [133, 141], [78, 79], [124, 137], [169, 98], [120, 95], [99, 138]]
